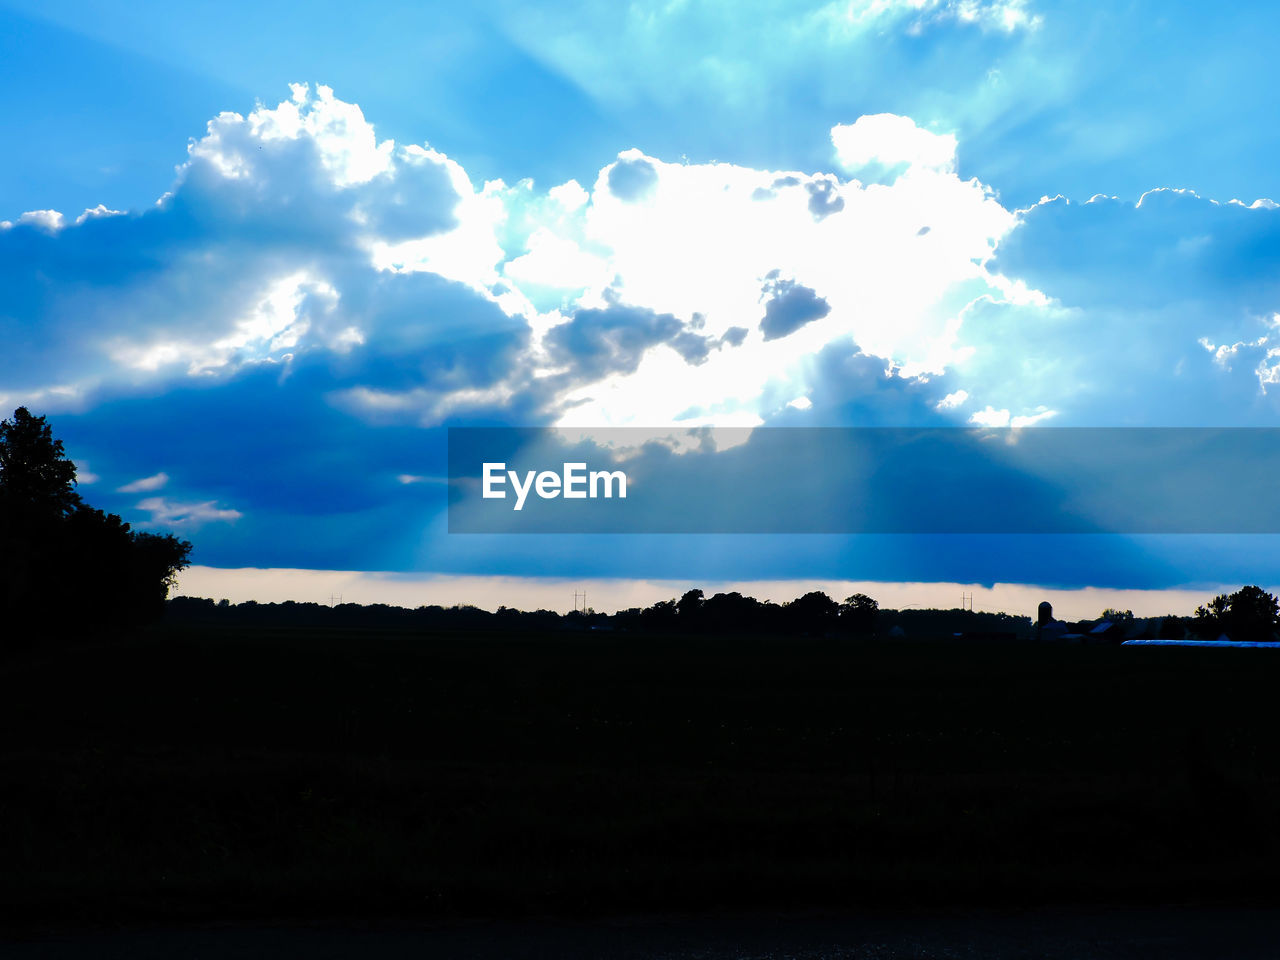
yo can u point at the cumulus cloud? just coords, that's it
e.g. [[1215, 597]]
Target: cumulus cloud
[[305, 280], [1261, 356], [1134, 294], [246, 258], [294, 231], [890, 140], [698, 240], [48, 221]]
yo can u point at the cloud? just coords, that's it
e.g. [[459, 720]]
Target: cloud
[[294, 232], [1262, 355], [632, 178], [700, 240], [789, 307], [186, 516], [311, 303], [246, 258], [1003, 15], [890, 140], [48, 221], [145, 485], [598, 342], [991, 417], [290, 328], [1156, 312]]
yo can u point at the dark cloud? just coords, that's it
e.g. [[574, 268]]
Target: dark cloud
[[823, 198], [598, 342], [632, 180], [790, 306], [1138, 287], [1173, 247], [694, 348], [856, 388]]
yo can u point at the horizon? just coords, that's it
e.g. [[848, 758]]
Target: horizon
[[531, 593]]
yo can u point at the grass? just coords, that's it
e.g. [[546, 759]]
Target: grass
[[198, 774]]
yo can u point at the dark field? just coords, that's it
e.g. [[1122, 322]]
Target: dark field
[[195, 775]]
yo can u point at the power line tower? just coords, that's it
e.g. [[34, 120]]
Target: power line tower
[[966, 601], [576, 595], [335, 599]]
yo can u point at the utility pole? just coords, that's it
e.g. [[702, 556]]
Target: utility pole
[[335, 599]]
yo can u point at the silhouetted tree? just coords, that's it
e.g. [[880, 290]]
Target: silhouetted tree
[[858, 615], [690, 606], [65, 565], [1116, 616], [37, 482], [815, 612], [1248, 614], [734, 613]]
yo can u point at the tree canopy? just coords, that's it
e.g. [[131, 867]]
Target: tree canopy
[[37, 482], [1249, 614], [67, 567]]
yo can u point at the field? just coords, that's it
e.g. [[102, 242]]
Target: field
[[196, 775]]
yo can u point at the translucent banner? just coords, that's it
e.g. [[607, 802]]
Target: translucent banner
[[864, 480]]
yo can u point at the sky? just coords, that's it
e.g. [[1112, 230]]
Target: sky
[[255, 259]]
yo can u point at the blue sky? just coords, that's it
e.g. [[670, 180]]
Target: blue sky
[[256, 257]]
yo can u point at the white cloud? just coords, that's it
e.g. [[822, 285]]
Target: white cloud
[[1002, 15], [889, 139], [93, 213], [145, 485], [556, 261], [570, 195], [1263, 353], [277, 322], [170, 513], [314, 236], [896, 264], [990, 417], [50, 221], [347, 147]]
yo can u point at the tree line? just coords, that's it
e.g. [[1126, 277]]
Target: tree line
[[693, 613], [1249, 614]]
